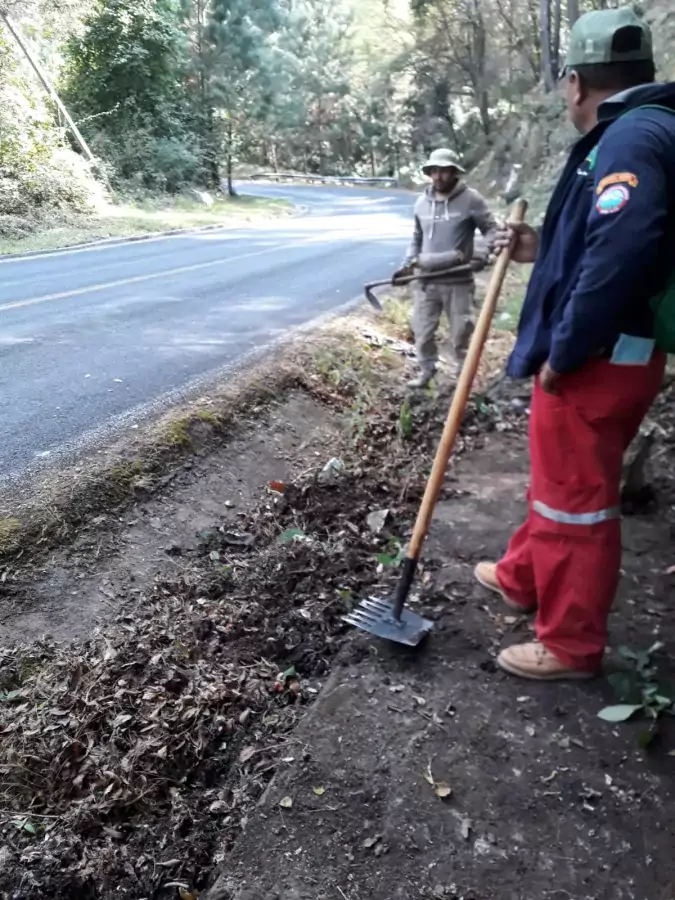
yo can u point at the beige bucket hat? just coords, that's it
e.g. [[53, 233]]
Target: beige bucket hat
[[442, 159]]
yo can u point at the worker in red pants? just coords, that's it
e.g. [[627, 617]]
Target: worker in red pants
[[586, 334]]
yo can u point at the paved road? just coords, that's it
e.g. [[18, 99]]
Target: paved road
[[92, 340]]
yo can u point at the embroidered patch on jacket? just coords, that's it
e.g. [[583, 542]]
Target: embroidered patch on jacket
[[617, 178], [612, 199]]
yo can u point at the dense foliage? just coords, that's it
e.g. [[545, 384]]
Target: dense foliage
[[177, 92]]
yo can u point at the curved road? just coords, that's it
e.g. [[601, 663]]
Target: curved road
[[94, 339]]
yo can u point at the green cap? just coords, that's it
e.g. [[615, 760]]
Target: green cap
[[596, 38]]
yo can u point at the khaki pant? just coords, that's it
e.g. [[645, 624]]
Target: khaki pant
[[457, 301]]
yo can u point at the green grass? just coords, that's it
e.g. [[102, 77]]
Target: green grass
[[148, 216]]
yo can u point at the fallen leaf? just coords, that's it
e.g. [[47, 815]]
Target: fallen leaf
[[442, 790], [420, 701], [377, 519], [619, 713], [277, 486], [333, 469], [185, 894], [288, 679], [219, 807], [319, 791], [286, 803], [288, 536], [122, 719], [246, 754], [370, 842], [396, 688]]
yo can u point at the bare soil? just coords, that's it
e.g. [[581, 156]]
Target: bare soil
[[546, 800], [206, 725]]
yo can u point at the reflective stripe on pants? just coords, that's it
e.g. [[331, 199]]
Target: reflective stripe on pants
[[586, 518], [567, 555]]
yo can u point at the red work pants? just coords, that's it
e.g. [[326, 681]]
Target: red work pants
[[566, 557]]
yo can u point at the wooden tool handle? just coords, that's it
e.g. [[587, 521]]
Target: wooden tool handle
[[462, 392]]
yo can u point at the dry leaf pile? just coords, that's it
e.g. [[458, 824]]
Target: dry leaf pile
[[130, 761]]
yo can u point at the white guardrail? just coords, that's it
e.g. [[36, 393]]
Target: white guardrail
[[322, 179]]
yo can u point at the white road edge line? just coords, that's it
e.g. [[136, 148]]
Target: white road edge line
[[137, 279], [108, 244]]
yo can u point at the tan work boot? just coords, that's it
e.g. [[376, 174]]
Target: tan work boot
[[486, 575], [535, 662]]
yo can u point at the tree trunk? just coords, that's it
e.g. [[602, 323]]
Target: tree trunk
[[555, 45], [211, 161], [484, 108], [229, 159], [534, 35], [546, 61], [572, 11]]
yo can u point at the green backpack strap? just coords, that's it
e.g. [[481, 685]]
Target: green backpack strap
[[663, 304]]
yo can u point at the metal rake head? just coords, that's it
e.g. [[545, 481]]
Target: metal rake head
[[377, 617]]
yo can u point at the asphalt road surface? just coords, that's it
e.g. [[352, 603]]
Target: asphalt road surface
[[96, 339]]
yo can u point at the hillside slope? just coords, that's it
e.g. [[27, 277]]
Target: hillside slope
[[533, 142]]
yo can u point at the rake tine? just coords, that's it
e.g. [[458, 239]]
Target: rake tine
[[363, 616], [376, 605], [357, 623], [362, 620]]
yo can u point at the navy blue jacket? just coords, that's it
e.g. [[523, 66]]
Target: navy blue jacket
[[607, 244]]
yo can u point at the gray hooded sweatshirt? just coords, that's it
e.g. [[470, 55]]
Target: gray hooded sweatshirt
[[444, 225]]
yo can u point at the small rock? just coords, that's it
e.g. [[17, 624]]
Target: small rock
[[377, 519], [332, 471], [219, 807]]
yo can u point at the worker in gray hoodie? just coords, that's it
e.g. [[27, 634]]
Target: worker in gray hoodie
[[446, 217]]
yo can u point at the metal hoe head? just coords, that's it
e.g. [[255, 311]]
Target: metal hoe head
[[378, 617], [372, 299]]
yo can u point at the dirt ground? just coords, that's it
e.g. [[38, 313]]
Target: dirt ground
[[207, 726], [546, 800]]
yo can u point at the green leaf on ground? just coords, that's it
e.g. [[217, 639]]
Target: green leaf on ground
[[619, 713], [286, 537]]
